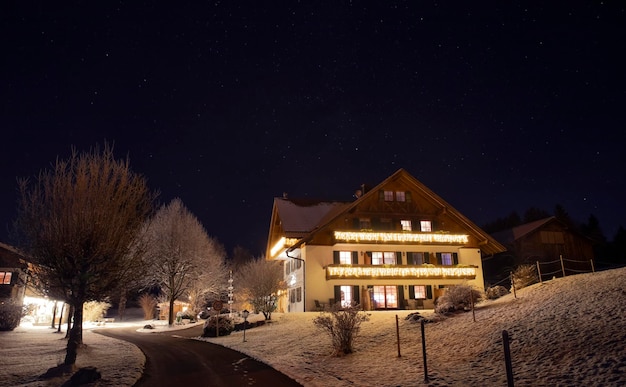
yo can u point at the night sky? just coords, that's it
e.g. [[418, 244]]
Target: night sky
[[497, 106]]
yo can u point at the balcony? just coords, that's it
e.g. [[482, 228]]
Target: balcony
[[400, 272], [403, 237]]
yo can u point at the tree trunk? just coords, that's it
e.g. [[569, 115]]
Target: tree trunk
[[54, 314], [170, 319], [70, 318], [76, 335], [122, 305], [61, 317]]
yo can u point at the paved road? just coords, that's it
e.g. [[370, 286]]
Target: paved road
[[173, 359]]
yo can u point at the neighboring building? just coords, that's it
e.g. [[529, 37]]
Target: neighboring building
[[396, 246], [545, 241], [13, 273]]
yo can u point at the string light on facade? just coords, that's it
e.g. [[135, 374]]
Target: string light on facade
[[355, 236], [398, 272]]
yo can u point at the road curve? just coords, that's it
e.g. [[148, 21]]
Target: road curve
[[174, 359]]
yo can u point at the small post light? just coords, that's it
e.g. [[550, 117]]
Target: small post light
[[245, 315]]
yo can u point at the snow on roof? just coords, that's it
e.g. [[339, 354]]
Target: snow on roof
[[303, 215], [513, 234]]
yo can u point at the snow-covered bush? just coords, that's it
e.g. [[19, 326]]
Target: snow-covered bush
[[495, 292], [10, 314], [524, 275], [226, 326], [342, 325], [95, 310], [148, 306], [457, 298]]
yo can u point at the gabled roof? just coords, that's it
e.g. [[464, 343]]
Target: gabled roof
[[515, 233], [487, 243], [10, 257], [301, 216]]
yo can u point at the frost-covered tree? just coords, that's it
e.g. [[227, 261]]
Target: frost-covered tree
[[260, 282], [183, 258], [78, 221]]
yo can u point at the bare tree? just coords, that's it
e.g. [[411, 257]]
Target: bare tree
[[183, 257], [78, 222], [260, 282]]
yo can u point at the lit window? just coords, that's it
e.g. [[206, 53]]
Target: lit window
[[346, 296], [365, 223], [5, 278], [406, 225], [383, 258], [426, 225], [385, 297], [400, 196], [420, 291], [345, 257], [389, 196], [446, 259]]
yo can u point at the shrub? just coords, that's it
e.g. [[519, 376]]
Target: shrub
[[11, 313], [495, 292], [342, 325], [457, 298], [95, 310], [524, 275], [225, 326], [148, 305]]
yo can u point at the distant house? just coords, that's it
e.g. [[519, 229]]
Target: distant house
[[13, 274], [545, 241], [395, 246]]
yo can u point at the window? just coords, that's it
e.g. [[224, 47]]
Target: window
[[446, 259], [406, 225], [426, 226], [420, 292], [5, 277], [365, 223], [385, 297], [389, 196], [346, 296], [415, 258], [292, 296], [400, 196], [383, 258], [385, 224], [345, 257], [299, 295]]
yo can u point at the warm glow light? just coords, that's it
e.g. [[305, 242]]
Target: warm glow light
[[351, 236], [281, 244], [398, 272], [277, 246]]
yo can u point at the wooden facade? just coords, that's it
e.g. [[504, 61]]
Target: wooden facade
[[545, 241], [397, 245]]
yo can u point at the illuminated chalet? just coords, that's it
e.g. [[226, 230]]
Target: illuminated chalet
[[395, 246]]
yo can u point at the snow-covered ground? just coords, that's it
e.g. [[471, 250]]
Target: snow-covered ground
[[565, 332]]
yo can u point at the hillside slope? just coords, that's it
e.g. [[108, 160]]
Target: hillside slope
[[565, 332]]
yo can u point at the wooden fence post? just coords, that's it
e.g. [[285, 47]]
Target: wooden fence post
[[539, 272], [593, 269], [398, 335], [507, 358], [513, 286], [562, 265], [424, 353]]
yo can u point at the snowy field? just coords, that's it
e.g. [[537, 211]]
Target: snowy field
[[565, 332]]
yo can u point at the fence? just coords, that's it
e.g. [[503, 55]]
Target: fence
[[554, 268]]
